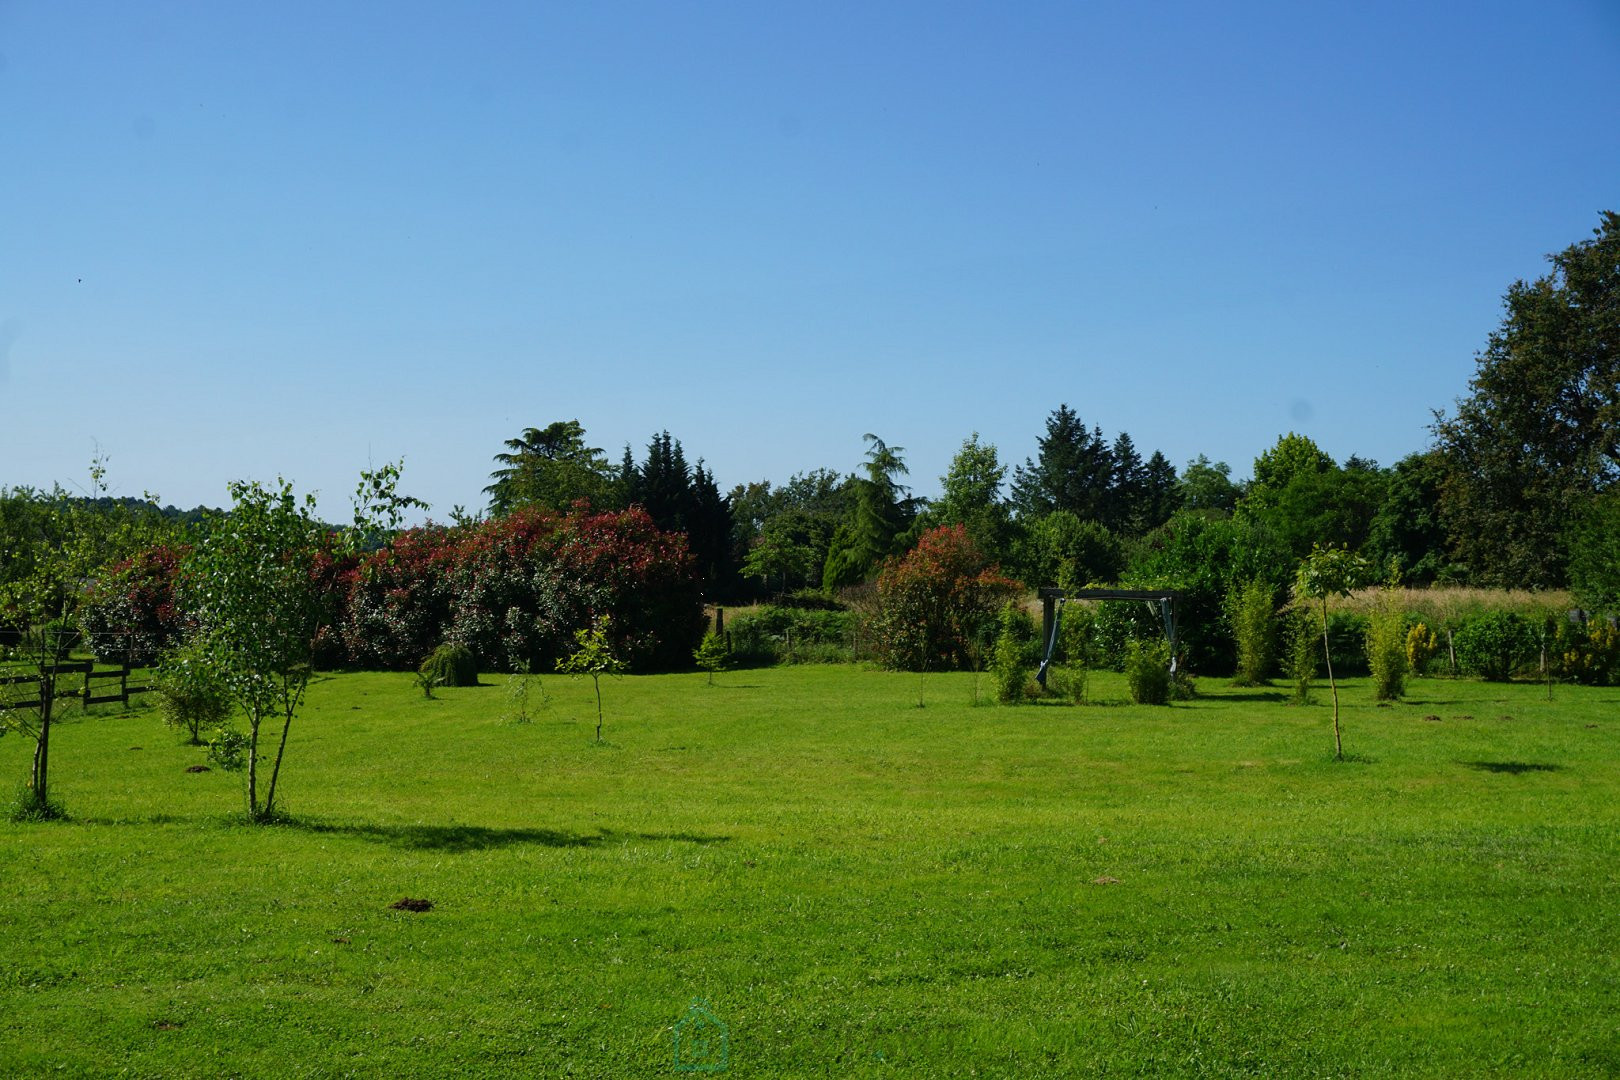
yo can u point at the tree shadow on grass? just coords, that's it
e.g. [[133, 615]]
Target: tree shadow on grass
[[457, 839], [1513, 768]]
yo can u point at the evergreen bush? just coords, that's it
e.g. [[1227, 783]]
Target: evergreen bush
[[1016, 654], [1421, 646], [450, 665]]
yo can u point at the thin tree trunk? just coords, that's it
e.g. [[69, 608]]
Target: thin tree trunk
[[40, 781], [270, 796], [597, 682], [1327, 654], [253, 769]]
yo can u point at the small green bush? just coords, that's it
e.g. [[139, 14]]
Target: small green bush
[[1386, 649], [1495, 645], [228, 749], [451, 665], [191, 697], [1077, 632], [711, 656], [1068, 681], [1016, 655], [1304, 652], [1250, 608], [1147, 671]]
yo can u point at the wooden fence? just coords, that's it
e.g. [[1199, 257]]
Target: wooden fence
[[86, 694]]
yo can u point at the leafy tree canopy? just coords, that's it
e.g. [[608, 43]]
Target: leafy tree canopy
[[876, 529], [971, 496], [1207, 485], [550, 468], [1539, 433]]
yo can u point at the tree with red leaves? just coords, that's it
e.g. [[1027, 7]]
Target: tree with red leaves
[[937, 602]]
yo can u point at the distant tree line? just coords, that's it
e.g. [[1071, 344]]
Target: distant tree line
[[1517, 487]]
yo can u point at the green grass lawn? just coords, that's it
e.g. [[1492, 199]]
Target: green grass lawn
[[856, 886]]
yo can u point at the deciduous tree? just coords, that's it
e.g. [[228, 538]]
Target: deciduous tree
[[937, 601], [1539, 432], [593, 658], [971, 496], [1328, 572], [248, 584]]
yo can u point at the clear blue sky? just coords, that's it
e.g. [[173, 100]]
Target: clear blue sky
[[238, 240]]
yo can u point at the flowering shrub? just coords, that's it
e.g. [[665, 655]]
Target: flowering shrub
[[130, 614], [938, 602], [514, 590], [1586, 652], [1421, 646]]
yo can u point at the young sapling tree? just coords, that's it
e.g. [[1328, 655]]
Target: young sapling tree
[[248, 584], [712, 655], [593, 657], [192, 698], [67, 544], [1327, 572]]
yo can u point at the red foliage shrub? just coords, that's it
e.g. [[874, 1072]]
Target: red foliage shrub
[[515, 589], [131, 614], [512, 590], [936, 602]]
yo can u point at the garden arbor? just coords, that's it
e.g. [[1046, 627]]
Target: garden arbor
[[1163, 601]]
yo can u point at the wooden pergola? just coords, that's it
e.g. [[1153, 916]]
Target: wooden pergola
[[1164, 600]]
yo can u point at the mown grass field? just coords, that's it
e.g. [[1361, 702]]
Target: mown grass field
[[855, 885]]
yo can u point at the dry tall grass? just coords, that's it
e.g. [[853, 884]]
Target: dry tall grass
[[1443, 605]]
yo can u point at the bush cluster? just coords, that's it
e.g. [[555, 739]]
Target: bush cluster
[[1586, 651], [130, 615], [511, 590], [515, 589], [1495, 645], [790, 635]]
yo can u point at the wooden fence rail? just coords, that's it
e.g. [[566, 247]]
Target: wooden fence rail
[[86, 669]]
